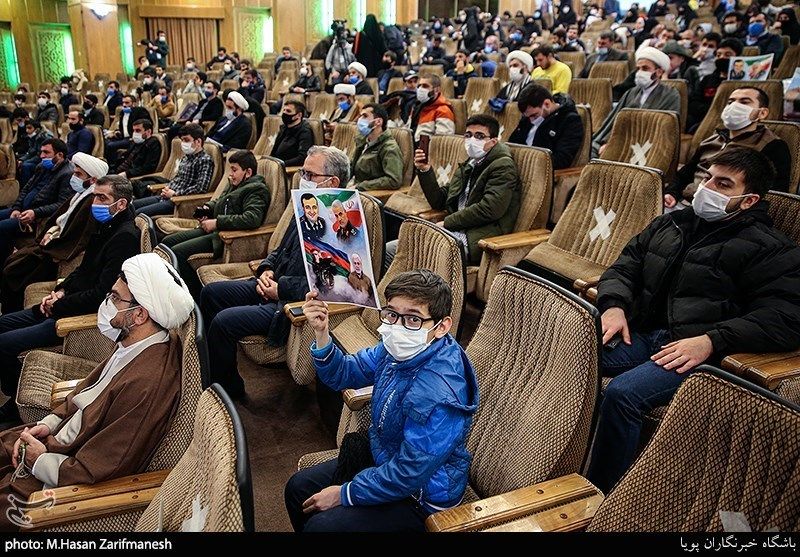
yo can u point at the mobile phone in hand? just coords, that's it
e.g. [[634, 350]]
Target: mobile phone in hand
[[424, 144], [613, 342]]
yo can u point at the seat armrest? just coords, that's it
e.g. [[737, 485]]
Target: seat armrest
[[67, 325], [60, 390], [527, 238], [254, 265], [291, 170], [565, 172], [294, 311], [356, 399], [228, 236], [766, 370], [563, 504], [81, 492], [591, 294], [433, 215], [384, 195], [198, 198], [155, 188], [582, 285]]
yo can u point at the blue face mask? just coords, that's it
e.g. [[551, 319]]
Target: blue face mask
[[344, 106], [353, 79], [110, 92], [101, 213], [48, 164], [755, 29], [487, 49], [126, 110], [364, 126]]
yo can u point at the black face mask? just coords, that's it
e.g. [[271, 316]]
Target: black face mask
[[87, 105], [287, 119], [75, 127], [722, 65]]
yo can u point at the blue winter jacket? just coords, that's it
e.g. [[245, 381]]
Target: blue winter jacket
[[421, 414]]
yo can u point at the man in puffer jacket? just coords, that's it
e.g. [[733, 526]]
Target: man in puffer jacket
[[696, 285], [425, 393]]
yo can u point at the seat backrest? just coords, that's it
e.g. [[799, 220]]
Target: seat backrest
[[585, 152], [395, 84], [373, 83], [535, 167], [6, 132], [175, 157], [165, 151], [460, 114], [723, 445], [253, 130], [784, 208], [405, 140], [316, 129], [97, 134], [589, 229], [229, 84], [538, 385], [63, 131], [194, 377], [147, 233], [508, 119], [645, 138], [436, 69], [713, 118], [344, 137], [8, 162], [501, 73], [187, 98], [616, 71], [269, 132], [215, 469], [106, 118], [790, 61], [324, 105], [682, 88], [750, 51], [545, 82], [479, 91], [448, 87], [790, 133], [577, 58], [284, 80], [219, 164], [274, 174]]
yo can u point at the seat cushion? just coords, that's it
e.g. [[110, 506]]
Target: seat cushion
[[472, 278], [312, 459], [223, 271], [563, 262], [170, 225], [353, 335]]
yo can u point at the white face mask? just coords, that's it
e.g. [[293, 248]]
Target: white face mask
[[311, 184], [229, 114], [474, 148], [105, 314], [402, 344], [422, 94], [644, 79], [227, 68], [736, 116], [137, 138], [731, 28], [64, 90], [515, 74], [76, 184], [41, 102], [187, 147], [304, 71], [710, 205]]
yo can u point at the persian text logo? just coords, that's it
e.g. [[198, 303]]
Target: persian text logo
[[17, 512]]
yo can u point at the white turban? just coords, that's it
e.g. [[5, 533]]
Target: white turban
[[93, 166], [522, 56], [344, 89], [654, 55], [238, 100], [159, 289], [359, 67]]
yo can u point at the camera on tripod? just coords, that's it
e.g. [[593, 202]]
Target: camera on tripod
[[339, 30]]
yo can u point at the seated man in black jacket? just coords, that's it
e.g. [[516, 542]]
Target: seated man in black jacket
[[116, 239], [694, 286], [91, 115], [295, 136], [238, 308], [208, 110], [550, 122], [143, 155], [233, 130]]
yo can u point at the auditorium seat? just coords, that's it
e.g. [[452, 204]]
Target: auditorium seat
[[344, 138], [616, 71], [681, 86], [324, 106], [595, 93], [9, 186], [790, 133], [478, 92], [269, 132], [508, 119], [578, 59]]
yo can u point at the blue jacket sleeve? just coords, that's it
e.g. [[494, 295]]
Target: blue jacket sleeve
[[340, 372], [425, 448]]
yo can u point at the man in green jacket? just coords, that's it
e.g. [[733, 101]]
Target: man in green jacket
[[242, 206], [377, 162], [483, 197]]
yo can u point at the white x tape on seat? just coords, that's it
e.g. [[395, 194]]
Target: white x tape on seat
[[604, 220], [639, 157], [443, 174], [476, 106]]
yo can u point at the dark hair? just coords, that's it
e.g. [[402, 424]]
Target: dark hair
[[424, 287], [20, 113], [129, 96], [544, 50], [532, 95], [58, 145], [145, 123], [299, 107], [608, 35], [114, 83], [43, 94], [214, 85], [733, 43], [166, 88], [244, 159], [245, 61], [489, 122], [252, 73], [716, 37], [121, 188], [32, 123], [286, 48], [763, 98], [306, 196], [379, 111], [91, 97], [392, 55], [193, 130], [203, 76], [758, 170], [191, 58], [463, 51], [20, 97], [222, 49]]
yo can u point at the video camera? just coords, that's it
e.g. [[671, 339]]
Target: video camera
[[339, 29]]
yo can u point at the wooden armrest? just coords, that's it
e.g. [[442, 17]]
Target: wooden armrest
[[582, 285], [515, 240], [157, 187], [293, 169], [591, 294], [66, 325], [571, 171], [60, 391], [767, 370], [81, 492], [228, 236], [561, 505], [433, 215], [198, 198], [254, 265], [686, 137], [384, 195], [294, 311], [356, 399]]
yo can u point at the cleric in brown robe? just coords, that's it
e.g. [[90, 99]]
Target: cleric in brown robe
[[114, 420]]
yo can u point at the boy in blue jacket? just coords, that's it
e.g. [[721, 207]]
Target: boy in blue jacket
[[425, 393]]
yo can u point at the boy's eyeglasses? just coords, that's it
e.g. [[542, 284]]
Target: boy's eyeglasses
[[409, 321]]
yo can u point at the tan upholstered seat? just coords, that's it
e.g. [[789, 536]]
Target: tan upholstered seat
[[645, 138], [587, 239], [594, 92], [9, 186], [324, 105], [170, 167], [219, 164], [750, 51], [509, 119], [737, 446], [405, 140], [460, 114], [585, 152], [436, 69], [251, 143], [269, 132], [215, 467], [616, 71], [790, 133], [344, 138], [682, 88], [790, 61], [577, 58], [445, 154], [478, 92]]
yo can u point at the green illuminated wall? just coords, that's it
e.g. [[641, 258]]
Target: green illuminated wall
[[126, 46], [9, 66], [52, 54]]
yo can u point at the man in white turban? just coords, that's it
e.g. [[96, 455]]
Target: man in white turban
[[112, 422], [233, 130], [356, 76], [648, 93]]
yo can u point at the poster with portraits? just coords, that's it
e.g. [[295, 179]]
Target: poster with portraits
[[750, 68], [333, 235]]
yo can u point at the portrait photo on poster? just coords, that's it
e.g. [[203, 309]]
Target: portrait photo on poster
[[333, 233], [750, 68]]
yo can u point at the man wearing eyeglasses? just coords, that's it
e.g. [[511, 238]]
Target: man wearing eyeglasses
[[694, 286], [235, 309], [425, 393]]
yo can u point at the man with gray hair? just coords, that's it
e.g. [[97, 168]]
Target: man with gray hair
[[235, 309], [115, 240]]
